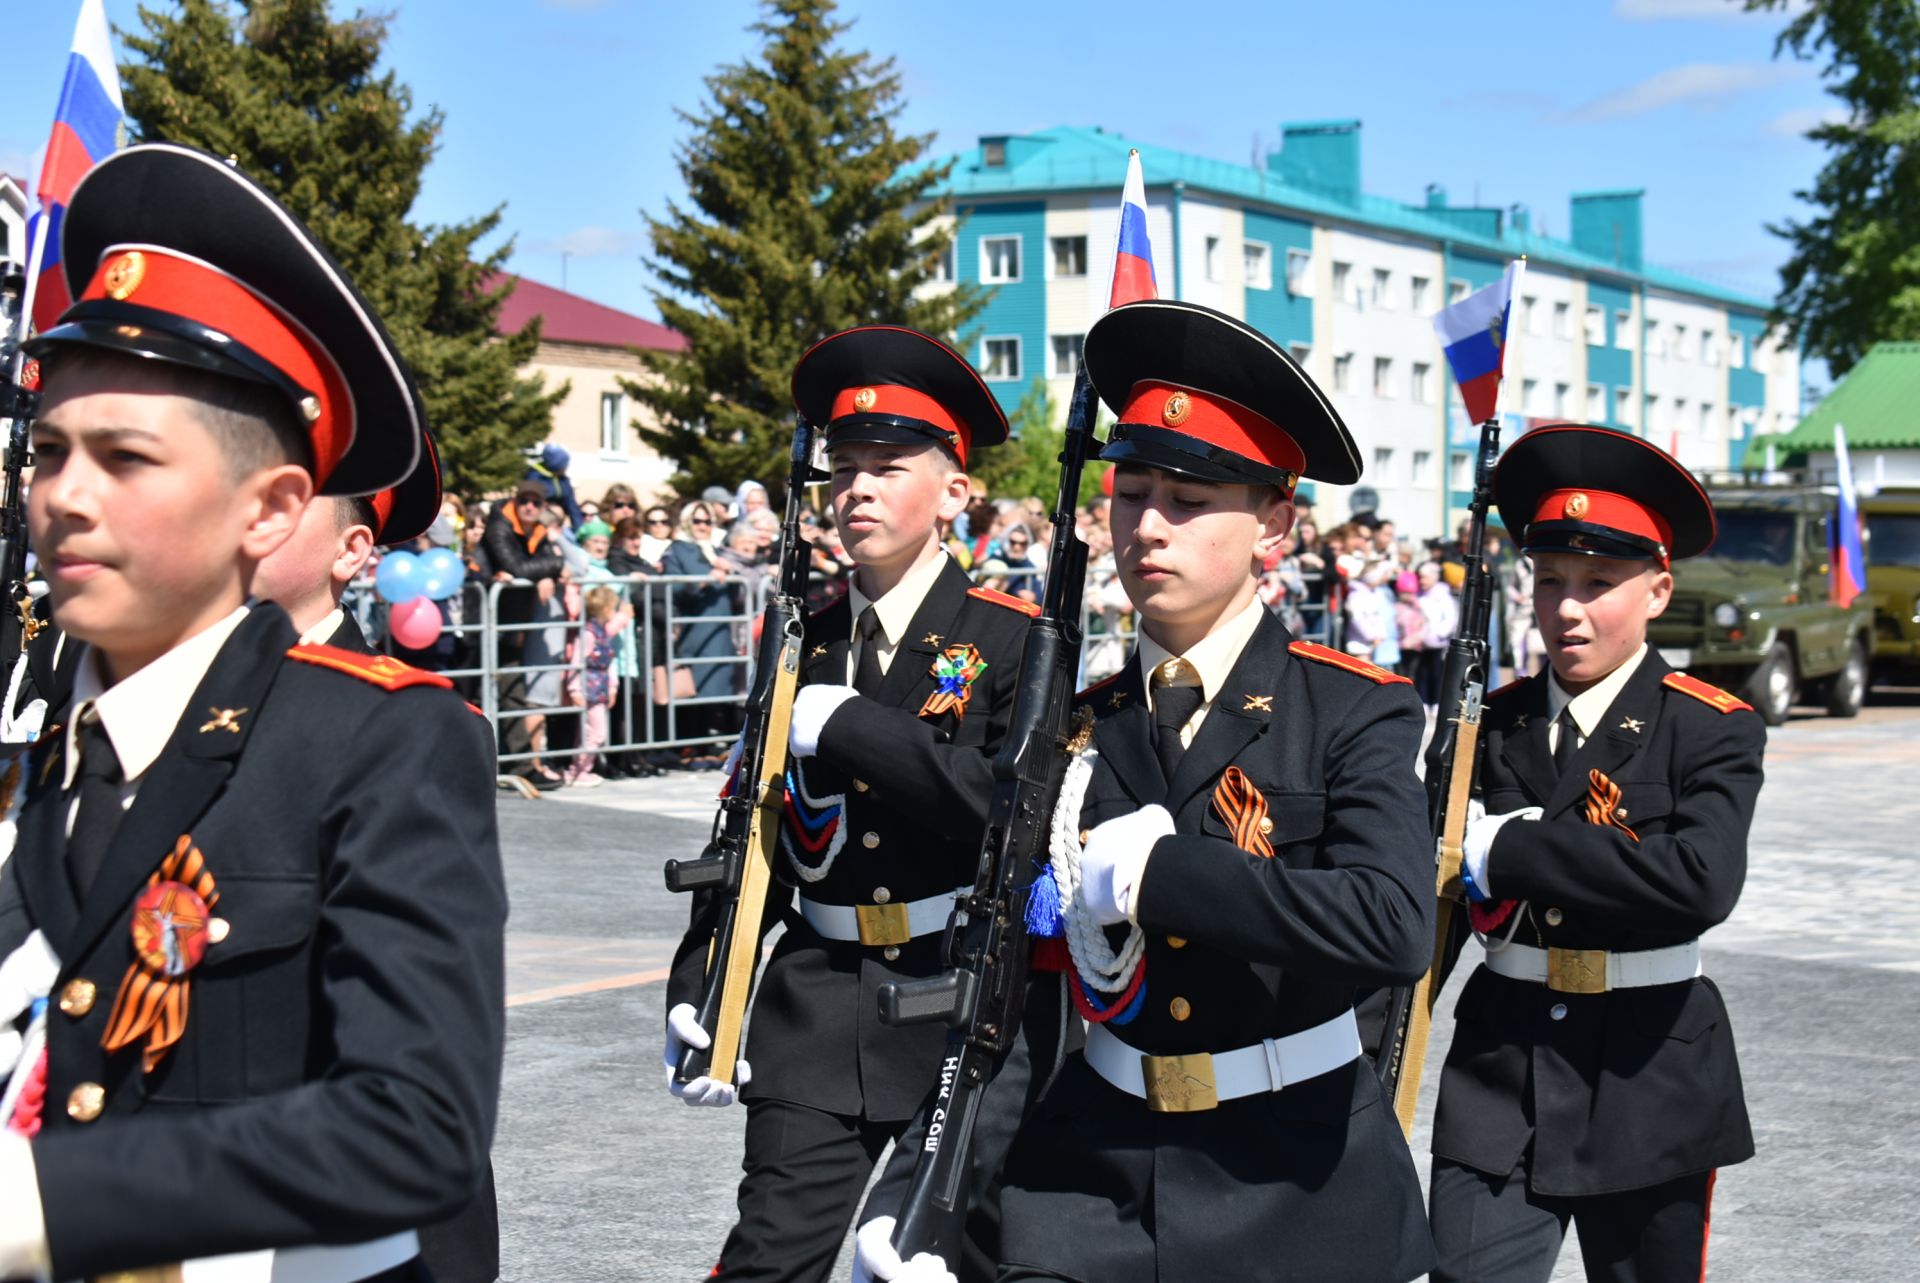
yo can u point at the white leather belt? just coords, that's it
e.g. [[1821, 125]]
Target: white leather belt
[[879, 924], [321, 1263], [1596, 970], [1201, 1080]]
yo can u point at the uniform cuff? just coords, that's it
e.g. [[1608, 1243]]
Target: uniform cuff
[[23, 1227]]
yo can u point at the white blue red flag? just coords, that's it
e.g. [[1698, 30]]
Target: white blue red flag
[[1849, 558], [86, 129], [1474, 333], [1133, 256]]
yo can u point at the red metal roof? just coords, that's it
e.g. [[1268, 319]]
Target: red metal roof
[[568, 318]]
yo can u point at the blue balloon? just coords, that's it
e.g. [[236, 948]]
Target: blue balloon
[[441, 573], [398, 577]]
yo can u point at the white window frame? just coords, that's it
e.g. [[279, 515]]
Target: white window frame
[[1562, 320], [1343, 287], [1623, 407], [1680, 342], [1343, 372], [1421, 383], [1210, 260], [1076, 345], [1530, 314], [613, 425], [1301, 353], [1457, 290], [1383, 378], [1300, 272], [986, 358], [1595, 322], [1709, 422], [1460, 470], [943, 271], [1562, 395], [1736, 350], [1256, 260], [1422, 476], [1623, 330], [1709, 348], [1530, 396], [1417, 287], [1381, 292], [1053, 259], [1596, 403], [1381, 474], [1019, 259]]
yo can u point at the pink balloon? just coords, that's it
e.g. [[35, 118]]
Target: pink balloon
[[415, 624]]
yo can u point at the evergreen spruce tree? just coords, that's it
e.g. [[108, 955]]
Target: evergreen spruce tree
[[806, 215], [298, 99]]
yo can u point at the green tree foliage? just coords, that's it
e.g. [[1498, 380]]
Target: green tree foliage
[[1854, 276], [1028, 464], [298, 99], [806, 213]]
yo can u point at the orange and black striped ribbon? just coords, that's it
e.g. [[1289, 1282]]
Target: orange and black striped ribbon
[[1603, 803], [1243, 807], [150, 1002]]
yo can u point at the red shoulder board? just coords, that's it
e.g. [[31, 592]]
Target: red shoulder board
[[1100, 685], [1352, 663], [382, 670], [1002, 599], [1516, 682], [1706, 693]]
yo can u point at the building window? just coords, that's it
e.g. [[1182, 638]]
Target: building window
[[1342, 287], [613, 423], [1562, 393], [1003, 359], [1623, 330], [1679, 342], [1709, 347], [1257, 259], [1530, 396], [1623, 407], [1422, 383], [1301, 353], [1457, 290], [1382, 466], [943, 266], [1343, 372], [1383, 376], [1423, 469], [1299, 273], [1213, 258], [1069, 256], [1417, 288], [1737, 351], [1656, 339], [993, 153], [1066, 354], [1734, 423], [1459, 470], [1650, 414], [1382, 287], [1679, 420], [1596, 327], [1709, 422], [1530, 313], [1562, 320], [1596, 402], [1000, 259]]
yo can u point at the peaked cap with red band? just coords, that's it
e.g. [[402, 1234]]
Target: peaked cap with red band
[[405, 511], [1198, 392], [1568, 487], [891, 384], [174, 255]]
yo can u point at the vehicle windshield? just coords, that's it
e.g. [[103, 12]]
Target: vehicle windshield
[[1895, 539], [1755, 536]]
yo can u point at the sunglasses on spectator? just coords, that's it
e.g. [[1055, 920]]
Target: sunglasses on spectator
[[622, 503], [700, 521], [1016, 543], [660, 519]]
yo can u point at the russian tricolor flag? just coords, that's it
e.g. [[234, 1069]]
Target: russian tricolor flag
[[1849, 558], [1133, 257], [86, 129], [1474, 334]]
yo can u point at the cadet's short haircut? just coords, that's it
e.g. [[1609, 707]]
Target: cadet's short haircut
[[348, 513], [253, 424]]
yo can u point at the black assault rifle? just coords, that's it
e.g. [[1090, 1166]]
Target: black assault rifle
[[18, 405], [1453, 762], [981, 994], [738, 865]]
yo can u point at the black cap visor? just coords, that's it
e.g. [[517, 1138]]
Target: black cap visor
[[1148, 446], [887, 429], [146, 332], [1585, 539]]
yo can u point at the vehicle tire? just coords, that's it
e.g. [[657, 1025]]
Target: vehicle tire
[[1774, 684], [1847, 689]]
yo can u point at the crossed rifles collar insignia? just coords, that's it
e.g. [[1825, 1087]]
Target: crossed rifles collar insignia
[[224, 719]]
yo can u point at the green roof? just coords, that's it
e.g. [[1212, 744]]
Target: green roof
[[1071, 158], [1878, 403]]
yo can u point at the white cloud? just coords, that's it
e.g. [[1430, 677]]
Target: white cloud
[[1795, 123], [591, 242], [1703, 86], [1663, 10]]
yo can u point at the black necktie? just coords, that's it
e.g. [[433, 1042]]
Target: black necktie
[[866, 672], [1568, 741], [98, 816], [1173, 708]]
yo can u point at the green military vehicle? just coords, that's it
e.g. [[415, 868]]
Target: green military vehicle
[[1893, 582], [1755, 613]]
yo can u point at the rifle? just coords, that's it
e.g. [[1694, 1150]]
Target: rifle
[[738, 864], [18, 405], [980, 995], [1452, 763]]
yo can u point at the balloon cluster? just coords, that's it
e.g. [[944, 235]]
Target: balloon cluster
[[411, 584]]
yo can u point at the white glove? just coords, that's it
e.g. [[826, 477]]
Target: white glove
[[1114, 857], [875, 1261], [683, 1031], [1478, 841], [811, 709]]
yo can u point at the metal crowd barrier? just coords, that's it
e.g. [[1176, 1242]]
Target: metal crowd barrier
[[489, 662]]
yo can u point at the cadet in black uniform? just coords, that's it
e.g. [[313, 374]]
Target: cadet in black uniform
[[1592, 1074], [907, 685], [1241, 845], [252, 925]]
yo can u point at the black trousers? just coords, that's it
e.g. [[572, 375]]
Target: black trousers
[[1494, 1229], [805, 1171]]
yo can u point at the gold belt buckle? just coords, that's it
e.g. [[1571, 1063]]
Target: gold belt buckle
[[1577, 970], [883, 923], [1179, 1084]]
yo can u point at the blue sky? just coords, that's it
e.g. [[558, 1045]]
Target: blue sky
[[564, 109]]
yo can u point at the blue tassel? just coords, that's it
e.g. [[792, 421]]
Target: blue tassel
[[1043, 907]]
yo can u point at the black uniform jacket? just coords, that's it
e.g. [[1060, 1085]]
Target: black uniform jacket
[[916, 791], [340, 1066], [1313, 1182], [1634, 1087]]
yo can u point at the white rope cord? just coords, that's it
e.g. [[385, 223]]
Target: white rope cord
[[26, 727], [808, 872], [1099, 965]]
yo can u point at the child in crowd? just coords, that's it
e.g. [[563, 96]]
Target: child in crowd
[[592, 688]]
